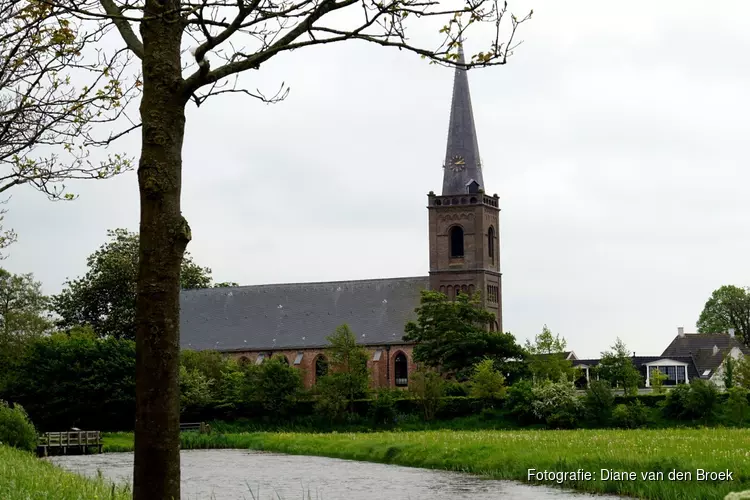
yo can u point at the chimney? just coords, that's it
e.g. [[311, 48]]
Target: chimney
[[681, 331], [731, 332]]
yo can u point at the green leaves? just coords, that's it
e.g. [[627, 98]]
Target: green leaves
[[454, 335], [728, 307], [104, 297]]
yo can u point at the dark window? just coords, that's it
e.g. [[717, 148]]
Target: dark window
[[401, 370], [457, 241], [244, 360], [491, 243], [473, 187], [321, 367]]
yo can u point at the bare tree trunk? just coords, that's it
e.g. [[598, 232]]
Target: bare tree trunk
[[164, 234]]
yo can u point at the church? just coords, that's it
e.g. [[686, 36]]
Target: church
[[253, 323]]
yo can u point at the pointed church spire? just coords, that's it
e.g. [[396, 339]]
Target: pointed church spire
[[462, 163]]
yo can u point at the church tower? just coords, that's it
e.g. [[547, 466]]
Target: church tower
[[464, 242]]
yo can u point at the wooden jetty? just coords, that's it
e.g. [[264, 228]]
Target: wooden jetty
[[69, 443], [201, 427]]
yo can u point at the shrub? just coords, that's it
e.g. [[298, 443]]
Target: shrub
[[486, 382], [557, 404], [697, 400], [427, 388], [519, 401], [279, 385], [599, 402], [333, 396], [383, 408], [195, 388], [737, 409], [630, 416], [16, 429], [455, 388]]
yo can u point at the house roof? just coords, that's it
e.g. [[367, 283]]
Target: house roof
[[700, 346], [691, 343], [297, 315]]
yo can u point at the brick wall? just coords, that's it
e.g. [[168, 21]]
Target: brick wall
[[382, 372]]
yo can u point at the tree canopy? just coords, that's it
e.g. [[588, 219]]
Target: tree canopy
[[105, 297], [728, 307], [546, 357], [616, 366], [454, 335]]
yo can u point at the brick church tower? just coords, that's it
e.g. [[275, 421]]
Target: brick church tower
[[464, 241]]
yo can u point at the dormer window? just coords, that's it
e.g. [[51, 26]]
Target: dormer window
[[472, 186]]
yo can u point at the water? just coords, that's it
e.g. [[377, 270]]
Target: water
[[248, 475]]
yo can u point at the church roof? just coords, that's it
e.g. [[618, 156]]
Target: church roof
[[462, 137], [297, 315]]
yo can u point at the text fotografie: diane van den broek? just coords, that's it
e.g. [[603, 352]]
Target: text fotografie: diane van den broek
[[620, 475]]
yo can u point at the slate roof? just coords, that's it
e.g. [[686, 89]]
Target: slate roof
[[691, 343], [462, 137], [700, 346], [297, 315]]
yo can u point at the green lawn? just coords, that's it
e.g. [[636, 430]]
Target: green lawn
[[510, 454], [23, 477]]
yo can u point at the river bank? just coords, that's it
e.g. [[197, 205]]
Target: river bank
[[23, 476], [510, 455]]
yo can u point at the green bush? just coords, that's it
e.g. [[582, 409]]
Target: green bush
[[455, 388], [599, 402], [557, 404], [16, 429], [519, 400], [631, 416], [736, 408], [382, 411], [698, 400], [487, 383], [279, 386]]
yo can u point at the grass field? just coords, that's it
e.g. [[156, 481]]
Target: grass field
[[25, 477], [510, 454]]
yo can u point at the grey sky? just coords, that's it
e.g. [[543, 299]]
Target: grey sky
[[615, 138]]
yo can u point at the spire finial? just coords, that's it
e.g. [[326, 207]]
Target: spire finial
[[462, 162]]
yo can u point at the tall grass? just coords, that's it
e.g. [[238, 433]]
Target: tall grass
[[23, 477], [509, 454]]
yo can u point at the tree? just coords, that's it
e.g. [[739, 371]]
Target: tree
[[23, 311], [728, 307], [261, 30], [347, 362], [730, 363], [546, 357], [486, 382], [105, 297], [453, 336], [657, 379], [427, 387], [46, 121], [76, 379], [616, 366], [742, 372]]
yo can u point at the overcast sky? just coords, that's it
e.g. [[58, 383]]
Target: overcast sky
[[615, 137]]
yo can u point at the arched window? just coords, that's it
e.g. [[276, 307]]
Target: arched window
[[491, 243], [283, 359], [321, 367], [457, 241], [401, 370], [244, 360]]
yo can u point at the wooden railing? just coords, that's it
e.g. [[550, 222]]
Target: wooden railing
[[72, 440], [201, 427]]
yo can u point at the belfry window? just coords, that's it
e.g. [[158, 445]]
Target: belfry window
[[491, 243], [457, 241]]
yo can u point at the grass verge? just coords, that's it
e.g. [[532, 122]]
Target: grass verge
[[23, 476], [510, 454]]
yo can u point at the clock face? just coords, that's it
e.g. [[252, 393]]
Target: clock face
[[457, 163]]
